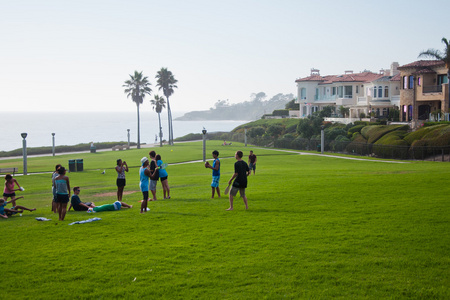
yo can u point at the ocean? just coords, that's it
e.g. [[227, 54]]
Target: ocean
[[79, 127]]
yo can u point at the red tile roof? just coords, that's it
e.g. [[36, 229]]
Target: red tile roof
[[422, 64], [353, 77]]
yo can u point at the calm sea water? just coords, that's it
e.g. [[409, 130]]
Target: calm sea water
[[75, 128]]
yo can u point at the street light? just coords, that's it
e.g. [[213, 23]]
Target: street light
[[53, 143], [204, 144], [24, 152], [322, 139]]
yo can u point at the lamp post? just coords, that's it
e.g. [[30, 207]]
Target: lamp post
[[24, 152], [128, 134], [53, 143], [322, 139], [245, 137], [204, 144]]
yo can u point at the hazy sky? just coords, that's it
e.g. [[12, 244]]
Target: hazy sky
[[75, 55]]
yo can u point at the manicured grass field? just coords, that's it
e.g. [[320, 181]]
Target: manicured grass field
[[317, 227]]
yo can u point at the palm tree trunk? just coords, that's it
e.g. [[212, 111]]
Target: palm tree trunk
[[169, 117], [138, 128], [160, 130]]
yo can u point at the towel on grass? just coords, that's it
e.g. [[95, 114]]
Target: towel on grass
[[86, 221]]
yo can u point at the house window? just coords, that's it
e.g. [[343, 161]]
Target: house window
[[374, 91], [357, 89], [405, 82], [380, 92], [419, 81], [303, 93], [442, 79], [386, 92], [341, 91], [334, 90], [348, 91], [317, 94], [411, 82]]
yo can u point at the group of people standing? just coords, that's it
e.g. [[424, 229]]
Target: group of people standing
[[150, 172], [241, 171]]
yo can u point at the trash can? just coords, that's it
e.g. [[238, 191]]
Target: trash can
[[79, 165], [319, 148], [72, 165], [93, 149]]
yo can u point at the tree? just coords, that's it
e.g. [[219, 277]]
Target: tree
[[158, 104], [443, 56], [292, 105], [167, 82], [344, 110], [137, 87]]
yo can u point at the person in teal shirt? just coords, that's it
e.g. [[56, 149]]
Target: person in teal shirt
[[163, 177]]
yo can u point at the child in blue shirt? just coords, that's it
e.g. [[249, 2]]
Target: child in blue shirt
[[215, 174]]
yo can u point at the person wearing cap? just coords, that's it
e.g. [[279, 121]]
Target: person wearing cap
[[144, 176]]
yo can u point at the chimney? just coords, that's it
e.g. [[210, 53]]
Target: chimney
[[394, 67]]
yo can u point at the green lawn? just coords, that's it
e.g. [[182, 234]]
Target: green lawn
[[317, 228]]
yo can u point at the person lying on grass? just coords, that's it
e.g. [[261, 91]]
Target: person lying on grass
[[5, 212], [76, 203], [109, 207]]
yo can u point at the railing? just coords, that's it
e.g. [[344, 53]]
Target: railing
[[432, 89]]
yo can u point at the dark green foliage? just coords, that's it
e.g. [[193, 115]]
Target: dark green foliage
[[392, 145], [354, 129], [284, 142], [281, 112], [300, 144], [61, 149], [292, 105], [427, 124], [373, 133], [256, 131], [332, 133]]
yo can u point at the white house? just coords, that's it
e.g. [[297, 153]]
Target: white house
[[363, 92]]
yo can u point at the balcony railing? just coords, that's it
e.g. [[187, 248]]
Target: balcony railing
[[432, 89]]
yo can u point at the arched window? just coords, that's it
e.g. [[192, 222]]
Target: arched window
[[374, 91], [411, 82], [405, 82], [380, 92], [386, 92]]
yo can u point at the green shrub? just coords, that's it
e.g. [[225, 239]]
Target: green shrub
[[392, 145], [281, 112], [354, 129], [373, 133], [300, 143]]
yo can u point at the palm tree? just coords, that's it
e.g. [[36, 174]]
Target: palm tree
[[443, 56], [166, 81], [137, 87], [158, 104]]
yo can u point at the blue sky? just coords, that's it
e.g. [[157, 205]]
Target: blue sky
[[75, 55]]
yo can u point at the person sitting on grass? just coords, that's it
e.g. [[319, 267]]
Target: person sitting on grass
[[109, 207], [5, 212], [76, 203]]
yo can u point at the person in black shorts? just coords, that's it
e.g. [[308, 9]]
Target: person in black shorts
[[121, 168], [241, 171], [252, 161]]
